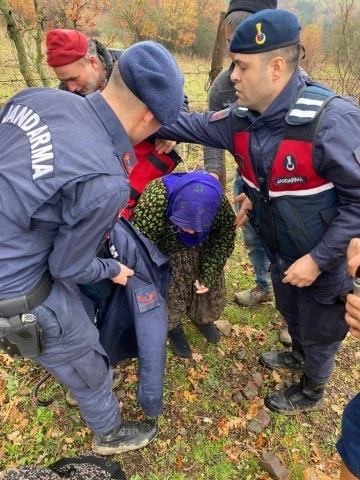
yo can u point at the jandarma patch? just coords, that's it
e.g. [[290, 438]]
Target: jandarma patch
[[219, 115], [289, 180], [260, 38], [147, 298], [129, 161]]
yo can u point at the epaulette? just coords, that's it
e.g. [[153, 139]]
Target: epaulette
[[309, 105], [219, 115]]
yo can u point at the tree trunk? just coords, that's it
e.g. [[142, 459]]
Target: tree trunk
[[217, 59], [38, 42], [16, 37]]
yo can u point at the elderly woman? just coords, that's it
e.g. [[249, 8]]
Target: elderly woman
[[191, 221]]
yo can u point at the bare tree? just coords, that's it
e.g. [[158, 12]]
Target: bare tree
[[343, 48], [17, 38]]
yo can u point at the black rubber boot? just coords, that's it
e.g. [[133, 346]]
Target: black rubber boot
[[307, 396], [210, 332], [291, 361], [128, 436], [179, 343]]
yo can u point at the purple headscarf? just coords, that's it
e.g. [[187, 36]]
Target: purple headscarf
[[193, 201]]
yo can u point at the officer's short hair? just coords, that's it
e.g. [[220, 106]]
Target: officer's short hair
[[123, 92], [235, 18], [291, 55]]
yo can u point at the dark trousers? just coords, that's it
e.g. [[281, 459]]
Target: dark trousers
[[74, 356], [315, 317]]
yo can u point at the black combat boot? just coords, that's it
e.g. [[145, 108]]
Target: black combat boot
[[127, 436], [307, 396], [179, 342], [291, 361], [210, 332]]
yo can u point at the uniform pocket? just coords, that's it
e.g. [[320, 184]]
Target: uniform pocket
[[52, 330], [93, 366], [323, 317]]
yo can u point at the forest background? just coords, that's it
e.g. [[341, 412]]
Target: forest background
[[331, 33]]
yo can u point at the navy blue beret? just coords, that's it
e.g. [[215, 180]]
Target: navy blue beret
[[265, 31], [153, 76], [251, 6]]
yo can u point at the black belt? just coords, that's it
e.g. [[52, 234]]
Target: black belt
[[24, 303]]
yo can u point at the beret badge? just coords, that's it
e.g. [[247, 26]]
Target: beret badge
[[260, 38]]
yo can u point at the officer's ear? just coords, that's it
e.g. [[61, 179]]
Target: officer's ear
[[277, 67], [148, 117]]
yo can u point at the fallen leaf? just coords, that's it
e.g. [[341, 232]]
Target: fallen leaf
[[197, 357], [190, 397], [261, 441], [314, 474]]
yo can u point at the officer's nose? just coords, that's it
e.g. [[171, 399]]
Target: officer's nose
[[235, 77]]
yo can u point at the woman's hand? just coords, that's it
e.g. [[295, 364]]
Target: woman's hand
[[200, 288]]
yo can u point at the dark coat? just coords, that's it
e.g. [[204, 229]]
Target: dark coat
[[133, 320]]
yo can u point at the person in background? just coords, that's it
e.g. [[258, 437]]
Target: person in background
[[73, 154], [348, 445], [188, 218], [221, 96]]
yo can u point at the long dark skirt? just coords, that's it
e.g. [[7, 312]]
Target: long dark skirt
[[183, 299]]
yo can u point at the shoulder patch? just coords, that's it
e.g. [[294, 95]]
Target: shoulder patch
[[147, 298], [219, 115]]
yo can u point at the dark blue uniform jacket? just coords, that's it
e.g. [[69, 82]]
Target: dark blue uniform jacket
[[133, 320], [336, 158]]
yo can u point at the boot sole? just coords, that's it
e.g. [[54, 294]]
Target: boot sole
[[237, 301], [293, 412], [287, 369], [103, 450]]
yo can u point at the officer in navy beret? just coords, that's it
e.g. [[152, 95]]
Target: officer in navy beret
[[297, 147], [83, 66], [64, 161], [222, 95]]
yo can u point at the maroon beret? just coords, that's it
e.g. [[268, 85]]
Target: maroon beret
[[65, 46]]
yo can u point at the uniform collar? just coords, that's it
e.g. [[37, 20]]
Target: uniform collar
[[110, 121]]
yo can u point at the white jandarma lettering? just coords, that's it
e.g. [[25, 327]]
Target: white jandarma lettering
[[26, 119]]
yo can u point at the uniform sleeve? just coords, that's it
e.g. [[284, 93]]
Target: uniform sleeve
[[150, 213], [89, 211], [213, 157], [219, 245], [198, 128], [336, 148]]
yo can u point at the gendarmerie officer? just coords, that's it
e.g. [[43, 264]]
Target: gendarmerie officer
[[221, 96], [297, 147], [63, 167]]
